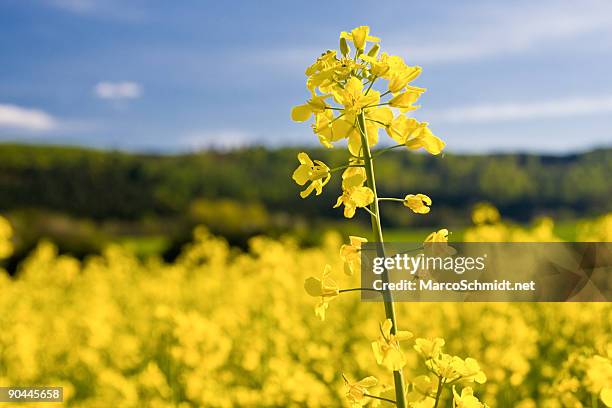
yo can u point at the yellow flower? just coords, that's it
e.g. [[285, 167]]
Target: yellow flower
[[454, 368], [405, 100], [353, 198], [400, 127], [316, 172], [359, 36], [418, 203], [378, 67], [381, 116], [400, 78], [485, 213], [429, 348], [316, 104], [422, 136], [326, 128], [354, 194], [470, 371], [466, 399], [436, 244], [438, 236], [422, 390], [387, 349], [351, 254], [326, 60], [325, 288], [357, 392], [346, 127], [353, 98]]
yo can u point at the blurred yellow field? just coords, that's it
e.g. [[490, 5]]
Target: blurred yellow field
[[221, 328]]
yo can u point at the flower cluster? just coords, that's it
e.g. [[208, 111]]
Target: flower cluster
[[347, 106]]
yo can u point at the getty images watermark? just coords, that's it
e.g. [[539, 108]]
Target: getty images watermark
[[412, 265], [474, 272]]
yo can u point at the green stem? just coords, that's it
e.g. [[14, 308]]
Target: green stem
[[386, 149], [594, 401], [344, 167], [398, 378], [438, 392], [371, 83], [381, 398], [358, 289], [370, 211], [401, 200]]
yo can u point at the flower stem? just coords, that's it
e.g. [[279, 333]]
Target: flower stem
[[398, 378], [401, 200], [381, 398], [386, 149], [358, 289], [438, 391], [344, 167]]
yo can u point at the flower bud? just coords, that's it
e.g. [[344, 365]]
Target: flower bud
[[344, 47], [374, 50]]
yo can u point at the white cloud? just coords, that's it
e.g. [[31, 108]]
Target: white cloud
[[118, 90], [14, 117], [569, 107], [224, 139]]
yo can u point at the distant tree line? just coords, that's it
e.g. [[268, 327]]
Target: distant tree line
[[116, 185], [84, 199]]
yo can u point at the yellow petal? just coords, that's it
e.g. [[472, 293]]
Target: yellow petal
[[362, 196], [301, 113], [313, 286], [403, 335], [386, 327], [606, 396], [432, 143], [368, 382]]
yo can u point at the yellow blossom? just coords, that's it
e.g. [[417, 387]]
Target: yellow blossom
[[316, 104], [429, 348], [354, 194], [470, 370], [422, 390], [466, 399], [316, 172], [378, 67], [405, 100], [325, 288], [359, 36], [351, 254], [357, 392], [387, 349], [485, 213], [422, 136], [400, 78], [438, 236], [353, 98], [400, 127], [418, 203]]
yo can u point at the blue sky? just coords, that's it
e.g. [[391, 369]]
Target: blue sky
[[170, 76]]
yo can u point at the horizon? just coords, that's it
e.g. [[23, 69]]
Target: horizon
[[311, 147]]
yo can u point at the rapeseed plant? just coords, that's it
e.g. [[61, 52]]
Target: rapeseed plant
[[347, 105]]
